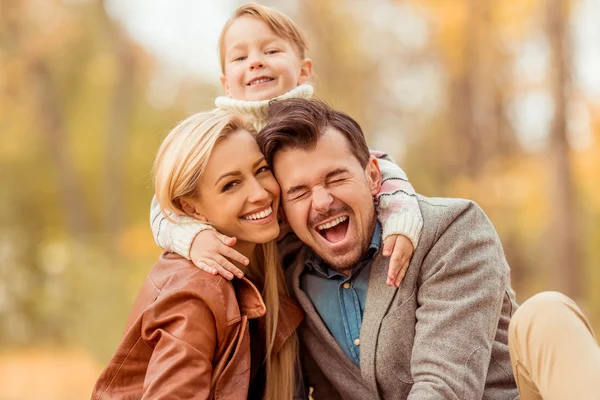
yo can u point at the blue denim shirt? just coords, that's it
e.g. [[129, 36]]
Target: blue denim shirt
[[340, 299]]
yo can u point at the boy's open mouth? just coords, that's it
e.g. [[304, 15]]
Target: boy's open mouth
[[259, 80], [334, 231]]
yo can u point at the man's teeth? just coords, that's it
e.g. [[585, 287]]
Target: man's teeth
[[262, 80], [260, 215], [331, 224]]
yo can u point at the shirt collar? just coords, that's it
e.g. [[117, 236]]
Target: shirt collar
[[315, 263]]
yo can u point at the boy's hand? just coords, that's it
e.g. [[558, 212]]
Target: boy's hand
[[211, 252], [401, 250]]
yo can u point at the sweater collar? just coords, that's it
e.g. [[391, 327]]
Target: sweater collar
[[257, 111]]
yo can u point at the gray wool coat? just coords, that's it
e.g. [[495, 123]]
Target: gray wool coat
[[441, 335]]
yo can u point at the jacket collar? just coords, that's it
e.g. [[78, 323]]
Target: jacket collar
[[249, 299], [251, 304]]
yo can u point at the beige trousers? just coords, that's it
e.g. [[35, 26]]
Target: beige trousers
[[553, 350]]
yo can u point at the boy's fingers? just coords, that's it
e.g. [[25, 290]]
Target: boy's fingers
[[402, 274], [394, 269], [388, 245], [220, 270], [228, 265], [201, 265], [233, 254], [229, 241]]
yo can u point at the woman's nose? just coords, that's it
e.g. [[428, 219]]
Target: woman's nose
[[258, 193]]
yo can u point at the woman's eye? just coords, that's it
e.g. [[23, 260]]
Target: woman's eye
[[230, 186], [263, 169]]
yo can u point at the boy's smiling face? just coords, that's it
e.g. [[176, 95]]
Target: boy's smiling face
[[258, 64]]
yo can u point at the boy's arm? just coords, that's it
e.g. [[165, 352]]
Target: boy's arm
[[400, 216], [397, 206], [174, 237], [211, 253]]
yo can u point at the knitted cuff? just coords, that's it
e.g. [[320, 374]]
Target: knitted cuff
[[406, 223], [183, 235]]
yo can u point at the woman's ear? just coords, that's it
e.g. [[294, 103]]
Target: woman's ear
[[190, 207], [305, 71], [373, 174]]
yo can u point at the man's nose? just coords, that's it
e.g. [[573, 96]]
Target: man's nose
[[321, 200]]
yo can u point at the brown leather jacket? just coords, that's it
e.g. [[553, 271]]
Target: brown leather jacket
[[187, 337]]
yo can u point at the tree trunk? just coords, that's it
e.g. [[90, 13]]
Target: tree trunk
[[562, 227], [118, 128], [53, 126]]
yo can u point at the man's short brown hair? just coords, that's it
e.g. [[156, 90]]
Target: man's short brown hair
[[300, 123]]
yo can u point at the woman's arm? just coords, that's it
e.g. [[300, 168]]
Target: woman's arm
[[181, 330]]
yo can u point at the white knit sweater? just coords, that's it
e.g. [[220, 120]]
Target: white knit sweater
[[256, 111]]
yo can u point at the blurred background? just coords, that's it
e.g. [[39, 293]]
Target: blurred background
[[497, 101]]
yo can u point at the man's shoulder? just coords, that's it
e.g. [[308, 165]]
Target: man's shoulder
[[443, 204], [440, 214], [445, 209]]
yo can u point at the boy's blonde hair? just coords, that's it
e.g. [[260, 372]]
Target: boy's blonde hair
[[282, 25], [178, 167]]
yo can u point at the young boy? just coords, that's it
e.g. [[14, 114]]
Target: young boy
[[263, 59]]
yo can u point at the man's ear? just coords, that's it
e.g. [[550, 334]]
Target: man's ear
[[225, 85], [305, 71], [373, 174], [191, 209]]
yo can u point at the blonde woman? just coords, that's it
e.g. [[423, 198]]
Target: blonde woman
[[193, 335]]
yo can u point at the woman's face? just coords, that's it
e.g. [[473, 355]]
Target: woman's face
[[237, 193]]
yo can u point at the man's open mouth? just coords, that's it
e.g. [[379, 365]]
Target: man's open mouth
[[259, 80], [334, 231]]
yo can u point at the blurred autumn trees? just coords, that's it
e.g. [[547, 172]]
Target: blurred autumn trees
[[445, 87]]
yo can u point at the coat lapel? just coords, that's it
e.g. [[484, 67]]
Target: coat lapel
[[313, 319], [379, 298]]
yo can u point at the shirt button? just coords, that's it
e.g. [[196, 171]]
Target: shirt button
[[346, 285], [357, 342]]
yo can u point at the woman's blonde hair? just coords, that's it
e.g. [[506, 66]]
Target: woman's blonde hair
[[179, 164], [282, 25]]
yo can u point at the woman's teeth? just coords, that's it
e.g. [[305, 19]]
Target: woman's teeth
[[260, 215], [331, 224]]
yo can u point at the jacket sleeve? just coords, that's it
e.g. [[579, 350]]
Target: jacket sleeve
[[459, 299], [397, 206], [181, 329], [175, 237]]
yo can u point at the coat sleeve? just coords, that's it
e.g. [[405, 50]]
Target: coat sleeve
[[176, 235], [397, 205], [181, 329], [460, 292]]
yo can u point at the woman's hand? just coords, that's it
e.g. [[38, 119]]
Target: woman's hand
[[211, 252], [401, 249]]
